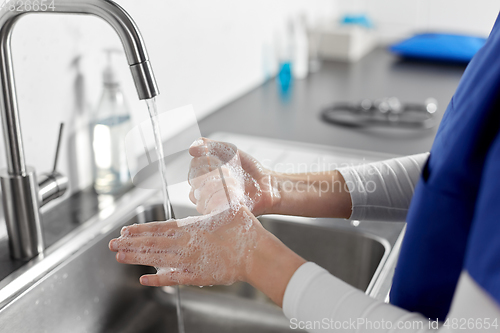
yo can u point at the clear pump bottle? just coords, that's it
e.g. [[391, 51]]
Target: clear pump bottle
[[112, 122]]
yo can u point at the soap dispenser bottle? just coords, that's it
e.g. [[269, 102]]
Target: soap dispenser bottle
[[112, 122], [300, 48]]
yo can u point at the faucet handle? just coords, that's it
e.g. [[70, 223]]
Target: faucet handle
[[58, 147], [53, 184]]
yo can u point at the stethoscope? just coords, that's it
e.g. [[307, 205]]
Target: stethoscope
[[385, 112]]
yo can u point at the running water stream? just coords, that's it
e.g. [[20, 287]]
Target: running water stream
[[169, 213]]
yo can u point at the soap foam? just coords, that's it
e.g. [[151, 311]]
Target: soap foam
[[215, 246], [220, 261], [210, 249], [223, 158]]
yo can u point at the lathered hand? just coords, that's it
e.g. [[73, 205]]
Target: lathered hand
[[221, 175], [219, 248], [202, 250]]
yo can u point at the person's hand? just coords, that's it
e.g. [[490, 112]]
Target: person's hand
[[213, 249], [203, 250], [245, 181]]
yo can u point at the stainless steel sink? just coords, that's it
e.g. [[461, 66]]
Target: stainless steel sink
[[79, 287]]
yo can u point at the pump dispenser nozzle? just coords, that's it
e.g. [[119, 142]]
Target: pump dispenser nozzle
[[110, 75]]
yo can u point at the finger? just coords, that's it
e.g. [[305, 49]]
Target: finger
[[171, 279], [199, 147], [150, 227], [192, 197], [220, 200], [112, 246], [204, 146], [250, 163], [199, 177], [204, 194], [154, 280], [190, 220], [214, 195], [201, 166], [161, 259], [225, 151], [204, 161], [204, 188], [215, 183], [148, 243], [217, 200]]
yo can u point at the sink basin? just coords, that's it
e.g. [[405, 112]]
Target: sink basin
[[88, 291]]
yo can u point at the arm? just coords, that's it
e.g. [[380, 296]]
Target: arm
[[247, 182], [376, 191], [383, 190], [312, 195], [231, 245], [241, 249], [313, 295]]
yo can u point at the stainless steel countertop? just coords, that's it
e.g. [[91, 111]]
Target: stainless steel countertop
[[380, 74]]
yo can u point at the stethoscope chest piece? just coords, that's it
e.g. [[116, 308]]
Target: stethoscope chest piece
[[387, 112]]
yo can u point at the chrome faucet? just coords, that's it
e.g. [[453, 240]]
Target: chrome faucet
[[22, 196]]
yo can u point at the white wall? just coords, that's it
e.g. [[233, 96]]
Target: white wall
[[400, 18], [204, 53]]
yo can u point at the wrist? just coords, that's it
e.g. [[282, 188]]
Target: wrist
[[273, 265], [284, 190], [322, 194], [272, 195]]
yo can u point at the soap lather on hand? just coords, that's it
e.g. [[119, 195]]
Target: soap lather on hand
[[215, 248]]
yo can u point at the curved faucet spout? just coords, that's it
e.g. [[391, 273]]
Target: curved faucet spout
[[19, 197], [116, 16]]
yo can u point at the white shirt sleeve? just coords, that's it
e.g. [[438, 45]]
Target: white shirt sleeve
[[317, 301], [382, 191]]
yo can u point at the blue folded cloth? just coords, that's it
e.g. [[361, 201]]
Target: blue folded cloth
[[440, 47]]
